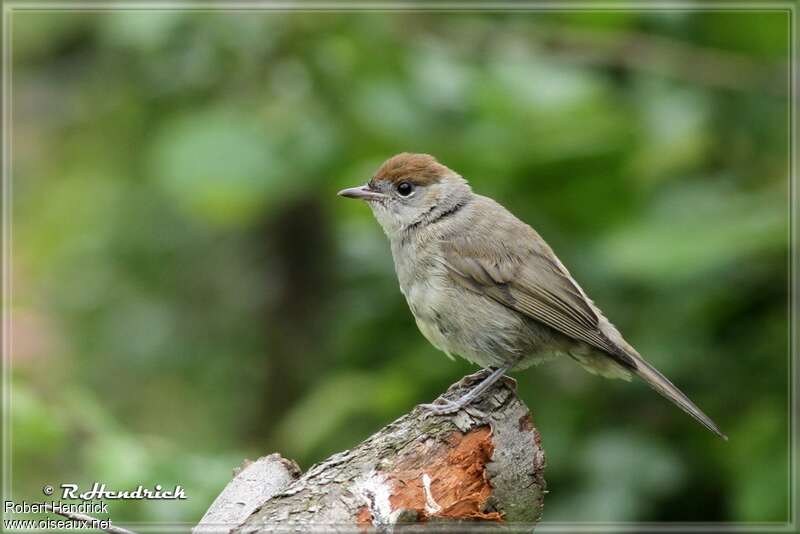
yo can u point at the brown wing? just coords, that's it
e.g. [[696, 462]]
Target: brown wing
[[528, 278]]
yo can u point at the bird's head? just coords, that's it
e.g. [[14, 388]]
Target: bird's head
[[411, 191]]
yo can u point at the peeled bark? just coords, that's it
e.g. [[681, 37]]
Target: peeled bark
[[482, 465]]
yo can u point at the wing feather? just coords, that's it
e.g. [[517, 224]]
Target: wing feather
[[532, 282], [525, 275]]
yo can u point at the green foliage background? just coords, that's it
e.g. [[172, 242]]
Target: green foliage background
[[189, 291]]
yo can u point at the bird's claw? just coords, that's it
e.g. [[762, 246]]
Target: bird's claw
[[441, 407]]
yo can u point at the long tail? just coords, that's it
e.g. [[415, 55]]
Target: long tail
[[660, 383]]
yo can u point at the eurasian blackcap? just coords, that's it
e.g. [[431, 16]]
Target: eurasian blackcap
[[485, 286]]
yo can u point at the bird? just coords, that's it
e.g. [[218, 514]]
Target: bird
[[485, 286]]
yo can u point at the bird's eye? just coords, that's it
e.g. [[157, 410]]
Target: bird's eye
[[405, 189]]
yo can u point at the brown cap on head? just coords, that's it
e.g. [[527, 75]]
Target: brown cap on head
[[420, 169]]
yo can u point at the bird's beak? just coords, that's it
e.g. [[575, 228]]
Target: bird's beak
[[362, 192]]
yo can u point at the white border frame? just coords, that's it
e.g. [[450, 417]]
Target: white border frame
[[433, 6]]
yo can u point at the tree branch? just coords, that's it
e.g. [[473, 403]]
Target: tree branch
[[481, 465]]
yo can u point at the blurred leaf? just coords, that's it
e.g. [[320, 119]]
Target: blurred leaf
[[321, 413], [218, 165], [695, 231], [146, 30], [621, 473]]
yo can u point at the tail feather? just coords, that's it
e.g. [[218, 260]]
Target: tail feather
[[667, 389]]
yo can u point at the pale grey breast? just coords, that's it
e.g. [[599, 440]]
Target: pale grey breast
[[455, 319]]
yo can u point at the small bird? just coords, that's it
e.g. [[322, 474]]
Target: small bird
[[484, 285]]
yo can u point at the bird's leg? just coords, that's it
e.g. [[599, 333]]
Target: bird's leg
[[447, 406], [475, 377]]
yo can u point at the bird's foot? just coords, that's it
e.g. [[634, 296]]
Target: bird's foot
[[441, 407], [475, 377], [446, 407]]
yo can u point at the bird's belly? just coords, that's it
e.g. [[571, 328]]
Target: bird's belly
[[458, 321], [434, 333]]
